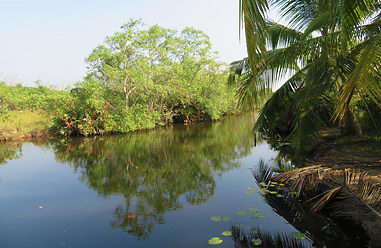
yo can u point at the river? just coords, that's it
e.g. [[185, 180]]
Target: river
[[154, 189]]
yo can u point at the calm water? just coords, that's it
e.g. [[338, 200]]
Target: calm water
[[155, 189]]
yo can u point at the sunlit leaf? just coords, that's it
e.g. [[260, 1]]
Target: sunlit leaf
[[256, 241], [298, 235], [227, 233], [215, 218], [259, 214], [215, 241], [252, 210], [226, 219]]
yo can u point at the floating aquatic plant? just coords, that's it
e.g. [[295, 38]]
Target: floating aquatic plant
[[256, 241], [226, 233], [252, 210], [298, 235], [226, 219], [215, 241], [241, 213], [216, 218]]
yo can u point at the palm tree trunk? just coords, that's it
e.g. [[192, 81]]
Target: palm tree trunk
[[351, 125]]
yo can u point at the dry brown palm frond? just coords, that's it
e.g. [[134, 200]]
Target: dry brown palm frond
[[302, 179], [354, 188], [359, 183], [326, 196]]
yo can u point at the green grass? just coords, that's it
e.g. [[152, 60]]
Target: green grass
[[20, 123]]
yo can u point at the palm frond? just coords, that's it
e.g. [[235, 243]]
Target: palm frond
[[243, 239]]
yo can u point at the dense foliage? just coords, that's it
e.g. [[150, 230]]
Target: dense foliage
[[19, 98], [142, 77], [329, 52]]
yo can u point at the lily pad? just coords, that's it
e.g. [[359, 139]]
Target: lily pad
[[298, 235], [227, 233], [226, 219], [259, 214], [256, 241], [273, 192], [216, 218], [263, 184], [252, 210], [279, 195], [215, 241], [242, 213]]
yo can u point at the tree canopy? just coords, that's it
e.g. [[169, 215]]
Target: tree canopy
[[147, 76], [330, 54]]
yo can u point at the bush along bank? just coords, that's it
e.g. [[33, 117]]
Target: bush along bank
[[143, 77]]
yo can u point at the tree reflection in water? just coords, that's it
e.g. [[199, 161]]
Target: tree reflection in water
[[154, 171]]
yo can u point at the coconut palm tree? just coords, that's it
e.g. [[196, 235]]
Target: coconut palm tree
[[328, 52]]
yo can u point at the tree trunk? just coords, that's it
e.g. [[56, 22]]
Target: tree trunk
[[351, 125], [126, 96]]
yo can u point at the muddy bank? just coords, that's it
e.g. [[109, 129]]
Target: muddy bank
[[25, 136]]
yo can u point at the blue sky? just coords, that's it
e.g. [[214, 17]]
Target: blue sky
[[48, 40]]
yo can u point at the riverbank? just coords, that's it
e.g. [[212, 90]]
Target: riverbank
[[342, 180], [348, 152], [19, 125]]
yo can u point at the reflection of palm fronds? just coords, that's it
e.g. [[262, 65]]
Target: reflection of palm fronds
[[298, 213], [264, 172], [243, 239], [349, 187]]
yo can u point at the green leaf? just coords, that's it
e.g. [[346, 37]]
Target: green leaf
[[227, 233], [263, 184], [279, 195], [298, 235], [273, 192], [251, 188], [259, 214], [253, 210], [215, 218], [274, 183], [226, 219], [282, 184], [256, 241], [242, 213], [215, 241]]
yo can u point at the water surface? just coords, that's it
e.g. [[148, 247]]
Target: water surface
[[154, 189]]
